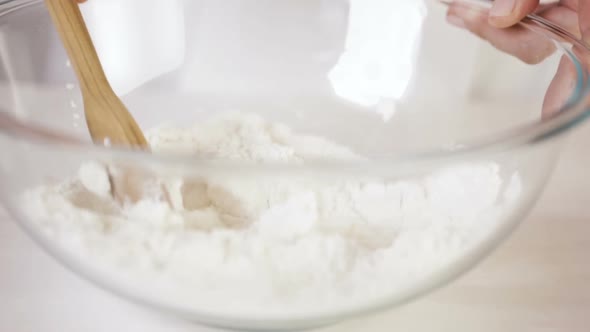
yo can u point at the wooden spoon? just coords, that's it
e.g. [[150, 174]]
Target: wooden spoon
[[107, 118]]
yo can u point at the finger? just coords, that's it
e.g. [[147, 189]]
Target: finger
[[565, 17], [518, 41], [565, 82], [505, 13], [560, 89], [571, 4], [584, 17]]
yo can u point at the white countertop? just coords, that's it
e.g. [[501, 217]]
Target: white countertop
[[539, 280]]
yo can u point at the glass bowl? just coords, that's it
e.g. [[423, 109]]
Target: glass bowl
[[312, 161]]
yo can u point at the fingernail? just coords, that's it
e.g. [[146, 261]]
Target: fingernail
[[456, 21], [502, 8]]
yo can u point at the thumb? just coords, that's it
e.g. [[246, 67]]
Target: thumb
[[505, 13]]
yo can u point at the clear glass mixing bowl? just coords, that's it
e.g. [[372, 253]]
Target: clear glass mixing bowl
[[471, 132]]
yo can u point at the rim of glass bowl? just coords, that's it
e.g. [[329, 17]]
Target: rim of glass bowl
[[573, 113]]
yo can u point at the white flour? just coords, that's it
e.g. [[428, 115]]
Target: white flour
[[263, 244]]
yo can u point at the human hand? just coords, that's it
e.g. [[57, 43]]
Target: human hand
[[499, 27]]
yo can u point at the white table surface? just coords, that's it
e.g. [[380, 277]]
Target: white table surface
[[539, 280]]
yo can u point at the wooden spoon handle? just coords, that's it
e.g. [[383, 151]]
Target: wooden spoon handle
[[107, 117], [78, 44]]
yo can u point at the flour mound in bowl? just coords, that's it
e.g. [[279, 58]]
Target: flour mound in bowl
[[271, 244]]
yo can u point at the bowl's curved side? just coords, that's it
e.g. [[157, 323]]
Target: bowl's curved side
[[536, 164]]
